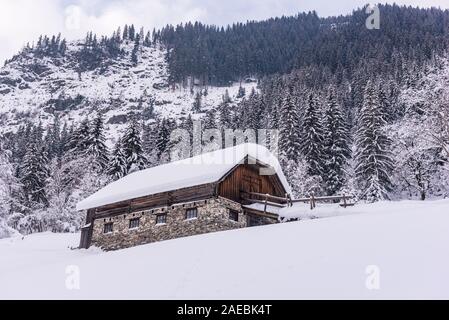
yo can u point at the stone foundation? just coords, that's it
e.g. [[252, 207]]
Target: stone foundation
[[213, 216], [257, 221]]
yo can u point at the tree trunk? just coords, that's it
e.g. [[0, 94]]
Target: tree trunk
[[423, 195]]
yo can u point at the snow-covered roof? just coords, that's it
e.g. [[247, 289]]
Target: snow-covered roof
[[203, 169]]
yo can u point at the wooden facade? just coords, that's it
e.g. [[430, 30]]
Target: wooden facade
[[247, 178], [165, 199]]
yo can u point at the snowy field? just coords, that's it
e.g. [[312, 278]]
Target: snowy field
[[401, 250]]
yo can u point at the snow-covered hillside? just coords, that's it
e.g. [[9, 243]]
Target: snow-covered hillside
[[37, 88], [400, 246]]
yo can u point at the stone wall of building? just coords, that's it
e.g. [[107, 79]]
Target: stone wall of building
[[213, 216], [256, 220]]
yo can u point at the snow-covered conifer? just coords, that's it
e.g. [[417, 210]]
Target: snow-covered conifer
[[34, 174], [289, 145], [311, 141], [373, 156], [336, 144], [96, 144], [118, 167], [132, 148]]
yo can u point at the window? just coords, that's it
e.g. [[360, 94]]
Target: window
[[191, 214], [161, 219], [108, 228], [134, 223], [233, 215]]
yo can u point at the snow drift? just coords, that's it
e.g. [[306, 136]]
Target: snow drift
[[318, 259]]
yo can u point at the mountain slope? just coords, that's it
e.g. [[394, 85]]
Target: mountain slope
[[388, 88], [326, 258], [37, 88]]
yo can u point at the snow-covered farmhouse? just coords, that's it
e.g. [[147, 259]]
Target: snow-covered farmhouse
[[207, 193]]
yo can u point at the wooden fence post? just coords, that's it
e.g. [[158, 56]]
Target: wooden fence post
[[311, 201], [266, 204]]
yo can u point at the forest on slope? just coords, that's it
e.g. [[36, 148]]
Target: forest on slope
[[218, 55], [359, 111]]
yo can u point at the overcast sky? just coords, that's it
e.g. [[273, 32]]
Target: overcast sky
[[24, 20]]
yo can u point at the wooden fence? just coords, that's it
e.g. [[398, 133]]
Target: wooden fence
[[287, 201]]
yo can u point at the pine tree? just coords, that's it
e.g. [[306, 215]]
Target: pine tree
[[132, 33], [210, 120], [118, 166], [132, 148], [48, 142], [147, 41], [66, 134], [373, 157], [242, 114], [197, 103], [126, 33], [33, 175], [163, 139], [289, 146], [118, 35], [225, 116], [53, 141], [187, 124], [386, 98], [226, 97], [241, 93], [254, 111], [149, 144], [212, 138], [96, 142], [142, 34], [134, 54], [273, 116], [20, 142], [63, 47], [79, 143], [311, 144], [37, 134], [336, 144]]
